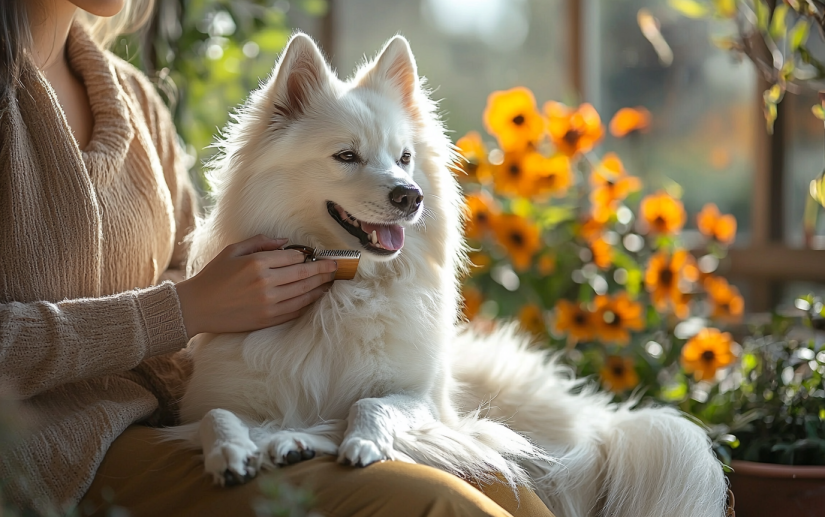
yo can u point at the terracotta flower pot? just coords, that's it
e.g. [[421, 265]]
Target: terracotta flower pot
[[763, 489]]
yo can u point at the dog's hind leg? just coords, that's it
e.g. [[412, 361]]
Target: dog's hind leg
[[288, 446], [374, 423], [230, 455]]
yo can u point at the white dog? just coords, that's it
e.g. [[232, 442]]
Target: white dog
[[378, 368]]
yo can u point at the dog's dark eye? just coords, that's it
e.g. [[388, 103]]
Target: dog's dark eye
[[405, 158], [346, 157]]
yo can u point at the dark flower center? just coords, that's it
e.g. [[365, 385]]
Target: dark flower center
[[514, 170], [580, 319], [518, 120], [708, 356], [666, 277], [572, 136], [517, 238], [660, 222], [482, 217], [618, 370]]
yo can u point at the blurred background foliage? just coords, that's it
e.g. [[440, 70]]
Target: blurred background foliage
[[207, 55]]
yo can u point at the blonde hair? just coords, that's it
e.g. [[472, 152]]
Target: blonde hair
[[16, 37], [131, 18]]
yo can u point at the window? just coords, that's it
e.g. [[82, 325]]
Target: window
[[708, 131]]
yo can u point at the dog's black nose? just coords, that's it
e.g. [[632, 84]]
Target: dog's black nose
[[406, 197]]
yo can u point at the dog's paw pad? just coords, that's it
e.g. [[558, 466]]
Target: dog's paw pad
[[290, 447], [232, 479], [233, 463], [360, 452], [293, 457]]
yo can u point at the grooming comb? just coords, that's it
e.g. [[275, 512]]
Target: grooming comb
[[347, 259]]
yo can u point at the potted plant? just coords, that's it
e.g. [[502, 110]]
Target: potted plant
[[768, 417]]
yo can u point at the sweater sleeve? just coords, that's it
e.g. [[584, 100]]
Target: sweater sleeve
[[43, 344]]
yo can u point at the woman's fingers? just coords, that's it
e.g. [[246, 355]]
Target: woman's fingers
[[297, 272], [255, 244], [293, 289], [277, 258], [296, 304]]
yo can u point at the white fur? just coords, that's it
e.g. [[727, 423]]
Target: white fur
[[611, 460], [369, 369]]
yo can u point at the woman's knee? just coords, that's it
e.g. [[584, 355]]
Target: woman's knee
[[398, 489]]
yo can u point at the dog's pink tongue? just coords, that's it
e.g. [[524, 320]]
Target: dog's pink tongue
[[391, 237]]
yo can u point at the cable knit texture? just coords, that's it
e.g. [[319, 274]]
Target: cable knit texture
[[84, 234]]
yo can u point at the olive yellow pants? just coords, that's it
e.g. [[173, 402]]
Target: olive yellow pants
[[150, 478]]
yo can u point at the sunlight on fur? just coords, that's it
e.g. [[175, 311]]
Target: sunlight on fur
[[378, 369]]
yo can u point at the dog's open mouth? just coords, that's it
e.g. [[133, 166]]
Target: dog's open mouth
[[381, 239]]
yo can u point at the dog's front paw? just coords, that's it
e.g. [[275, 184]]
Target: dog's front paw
[[233, 462], [290, 447], [362, 452]]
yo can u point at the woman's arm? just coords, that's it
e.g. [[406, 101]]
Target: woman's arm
[[43, 344]]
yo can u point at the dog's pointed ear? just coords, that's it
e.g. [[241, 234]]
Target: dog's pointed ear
[[394, 72], [301, 74]]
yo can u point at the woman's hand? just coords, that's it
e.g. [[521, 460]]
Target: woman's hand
[[252, 285]]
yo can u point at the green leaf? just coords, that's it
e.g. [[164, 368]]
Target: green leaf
[[773, 94], [315, 7], [818, 111], [725, 8], [763, 15], [778, 26], [787, 70], [271, 40], [690, 8], [799, 34], [674, 392]]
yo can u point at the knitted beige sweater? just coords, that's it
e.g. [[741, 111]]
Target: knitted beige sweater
[[83, 236]]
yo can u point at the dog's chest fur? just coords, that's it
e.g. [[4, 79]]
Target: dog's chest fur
[[356, 343]]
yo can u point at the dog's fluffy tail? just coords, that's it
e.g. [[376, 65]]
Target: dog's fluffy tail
[[474, 448], [612, 460]]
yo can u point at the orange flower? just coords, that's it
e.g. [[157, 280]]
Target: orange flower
[[573, 320], [549, 176], [616, 316], [611, 185], [531, 319], [573, 131], [706, 352], [479, 262], [619, 374], [726, 302], [591, 229], [715, 225], [520, 237], [546, 264], [663, 213], [510, 178], [472, 301], [481, 213], [475, 165], [628, 120], [663, 278], [513, 118], [602, 253]]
